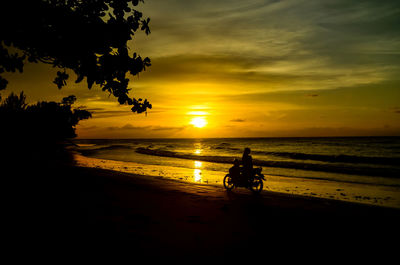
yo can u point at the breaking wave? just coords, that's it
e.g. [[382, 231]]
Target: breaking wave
[[338, 167]]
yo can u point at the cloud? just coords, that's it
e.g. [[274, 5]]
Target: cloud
[[376, 95], [237, 120], [296, 44], [160, 128], [237, 73], [127, 126], [93, 127], [395, 110], [130, 127], [279, 44], [101, 113], [330, 132]]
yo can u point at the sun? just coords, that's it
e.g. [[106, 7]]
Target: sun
[[198, 122]]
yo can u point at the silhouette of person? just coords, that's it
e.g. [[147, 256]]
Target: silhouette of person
[[247, 162], [234, 171]]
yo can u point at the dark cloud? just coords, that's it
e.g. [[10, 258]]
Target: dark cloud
[[103, 113], [237, 120], [395, 110]]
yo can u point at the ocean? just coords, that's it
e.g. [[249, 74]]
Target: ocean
[[358, 169]]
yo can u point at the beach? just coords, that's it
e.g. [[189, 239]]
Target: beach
[[100, 213]]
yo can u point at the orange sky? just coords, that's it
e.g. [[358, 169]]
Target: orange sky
[[250, 69]]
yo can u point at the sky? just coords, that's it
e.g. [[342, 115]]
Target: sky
[[256, 68]]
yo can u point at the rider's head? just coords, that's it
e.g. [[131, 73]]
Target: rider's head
[[236, 162], [247, 150]]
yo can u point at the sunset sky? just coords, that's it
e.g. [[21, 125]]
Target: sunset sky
[[257, 68]]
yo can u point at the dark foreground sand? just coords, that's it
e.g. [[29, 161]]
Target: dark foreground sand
[[74, 213]]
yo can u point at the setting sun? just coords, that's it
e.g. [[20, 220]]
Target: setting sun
[[198, 122]]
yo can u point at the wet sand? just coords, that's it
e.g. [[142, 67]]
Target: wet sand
[[99, 214]]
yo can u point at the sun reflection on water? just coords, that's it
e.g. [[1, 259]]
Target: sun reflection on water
[[198, 164], [197, 171], [198, 148]]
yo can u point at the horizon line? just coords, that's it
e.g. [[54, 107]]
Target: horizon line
[[262, 137]]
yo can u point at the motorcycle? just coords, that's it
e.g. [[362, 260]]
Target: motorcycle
[[254, 182]]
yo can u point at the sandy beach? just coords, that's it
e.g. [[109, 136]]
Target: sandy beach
[[99, 212]]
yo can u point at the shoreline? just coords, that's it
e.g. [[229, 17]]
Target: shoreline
[[193, 188], [382, 196]]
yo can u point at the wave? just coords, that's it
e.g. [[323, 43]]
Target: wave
[[341, 158], [96, 149], [335, 168], [335, 158], [165, 153]]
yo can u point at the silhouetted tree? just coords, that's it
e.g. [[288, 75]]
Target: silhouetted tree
[[13, 103], [46, 122], [87, 36]]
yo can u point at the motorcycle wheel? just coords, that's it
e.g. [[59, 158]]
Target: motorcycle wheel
[[256, 185], [228, 182]]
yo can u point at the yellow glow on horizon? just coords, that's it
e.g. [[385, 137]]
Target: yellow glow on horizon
[[198, 113], [198, 122]]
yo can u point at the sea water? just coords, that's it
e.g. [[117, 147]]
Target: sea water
[[362, 169]]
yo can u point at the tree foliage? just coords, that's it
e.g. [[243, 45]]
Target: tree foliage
[[88, 37], [48, 121]]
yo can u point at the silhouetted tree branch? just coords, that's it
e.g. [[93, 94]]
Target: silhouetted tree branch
[[87, 36]]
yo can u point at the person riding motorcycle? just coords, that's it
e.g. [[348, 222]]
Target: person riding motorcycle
[[244, 176], [247, 162]]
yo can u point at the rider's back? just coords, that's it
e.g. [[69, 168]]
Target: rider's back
[[247, 162]]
